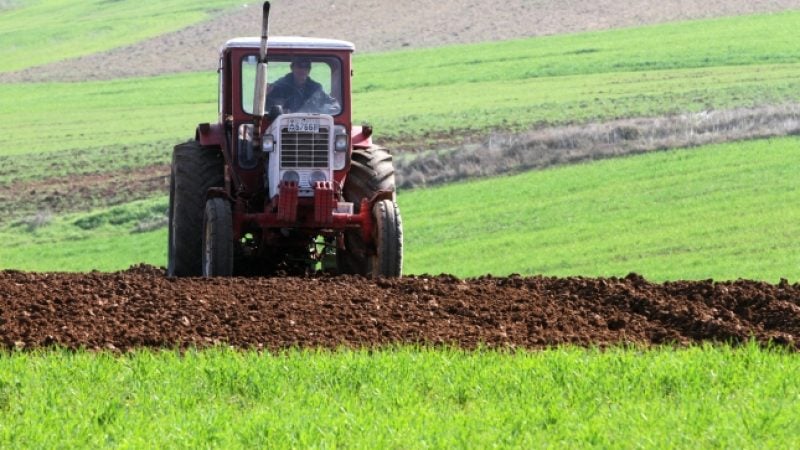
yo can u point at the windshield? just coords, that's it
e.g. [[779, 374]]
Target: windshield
[[309, 84]]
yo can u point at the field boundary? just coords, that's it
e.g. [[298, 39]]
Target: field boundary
[[501, 153]]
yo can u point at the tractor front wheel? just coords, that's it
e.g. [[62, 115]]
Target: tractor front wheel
[[372, 172], [217, 239], [388, 237]]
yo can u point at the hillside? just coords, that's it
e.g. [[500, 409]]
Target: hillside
[[382, 25]]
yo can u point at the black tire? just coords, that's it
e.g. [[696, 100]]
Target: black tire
[[388, 234], [371, 171], [195, 169], [217, 239]]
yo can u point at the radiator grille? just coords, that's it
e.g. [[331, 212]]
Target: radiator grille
[[304, 149]]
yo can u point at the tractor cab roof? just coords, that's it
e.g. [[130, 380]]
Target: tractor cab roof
[[290, 42]]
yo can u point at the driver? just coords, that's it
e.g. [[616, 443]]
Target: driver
[[296, 91]]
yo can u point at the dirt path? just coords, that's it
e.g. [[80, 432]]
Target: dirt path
[[141, 307], [380, 25]]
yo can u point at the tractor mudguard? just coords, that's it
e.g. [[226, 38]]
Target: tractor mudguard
[[367, 220], [210, 135], [362, 136]]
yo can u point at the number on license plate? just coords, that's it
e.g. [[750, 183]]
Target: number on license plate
[[303, 126]]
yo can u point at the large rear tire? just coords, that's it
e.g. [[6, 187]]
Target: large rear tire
[[371, 171], [217, 239], [195, 169]]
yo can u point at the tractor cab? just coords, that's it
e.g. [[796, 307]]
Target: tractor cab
[[308, 93]]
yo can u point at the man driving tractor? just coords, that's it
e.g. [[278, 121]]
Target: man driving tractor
[[297, 92]]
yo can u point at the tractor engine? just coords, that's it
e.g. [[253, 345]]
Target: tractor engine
[[303, 149]]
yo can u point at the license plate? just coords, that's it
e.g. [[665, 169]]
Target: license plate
[[303, 126]]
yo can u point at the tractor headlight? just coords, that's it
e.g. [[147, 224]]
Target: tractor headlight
[[340, 139], [291, 175], [317, 176], [268, 143], [340, 147]]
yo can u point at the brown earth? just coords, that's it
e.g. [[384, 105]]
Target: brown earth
[[141, 307], [381, 25]]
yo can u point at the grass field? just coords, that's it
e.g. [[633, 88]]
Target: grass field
[[56, 117], [38, 32], [721, 211], [706, 397], [108, 239], [733, 41]]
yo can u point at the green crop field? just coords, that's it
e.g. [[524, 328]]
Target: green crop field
[[55, 117], [109, 239], [732, 41], [39, 32], [709, 397], [722, 211]]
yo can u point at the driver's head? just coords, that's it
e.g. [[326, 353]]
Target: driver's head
[[301, 67]]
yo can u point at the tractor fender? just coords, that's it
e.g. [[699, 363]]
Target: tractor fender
[[361, 136], [218, 192], [368, 223], [382, 195], [210, 135]]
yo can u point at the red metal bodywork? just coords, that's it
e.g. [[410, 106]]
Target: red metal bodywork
[[361, 136], [210, 135]]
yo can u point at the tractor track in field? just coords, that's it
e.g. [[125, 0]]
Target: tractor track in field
[[66, 194], [141, 307]]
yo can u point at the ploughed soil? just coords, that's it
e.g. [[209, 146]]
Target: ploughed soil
[[141, 307]]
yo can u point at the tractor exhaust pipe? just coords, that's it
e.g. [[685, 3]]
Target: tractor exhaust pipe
[[260, 97]]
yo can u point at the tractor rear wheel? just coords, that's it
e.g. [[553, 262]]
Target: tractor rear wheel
[[217, 239], [371, 171], [195, 169]]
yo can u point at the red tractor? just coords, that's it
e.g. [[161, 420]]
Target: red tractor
[[283, 180]]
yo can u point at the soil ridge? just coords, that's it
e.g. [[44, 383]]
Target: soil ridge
[[141, 307]]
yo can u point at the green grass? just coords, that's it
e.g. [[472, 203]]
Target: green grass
[[706, 397], [686, 66], [57, 117], [731, 41], [91, 160], [722, 211], [140, 111], [37, 32], [109, 239], [517, 105], [714, 218]]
